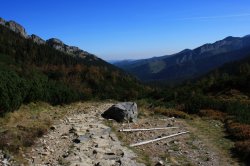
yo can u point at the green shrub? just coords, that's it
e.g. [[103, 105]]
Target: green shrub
[[12, 91]]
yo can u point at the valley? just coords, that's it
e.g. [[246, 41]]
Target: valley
[[194, 103]]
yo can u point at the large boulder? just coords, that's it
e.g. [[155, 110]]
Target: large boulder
[[126, 111]]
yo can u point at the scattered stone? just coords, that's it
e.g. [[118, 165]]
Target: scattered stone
[[77, 141], [45, 153], [84, 138], [64, 137], [53, 128], [111, 153], [101, 143], [112, 137], [72, 130], [94, 152], [5, 162], [65, 155], [119, 152], [99, 156]]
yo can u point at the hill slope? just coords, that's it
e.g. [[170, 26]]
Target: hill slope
[[33, 69], [189, 64]]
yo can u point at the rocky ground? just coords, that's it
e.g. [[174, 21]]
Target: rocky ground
[[81, 139], [84, 138], [186, 149]]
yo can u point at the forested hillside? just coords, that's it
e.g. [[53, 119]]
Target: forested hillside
[[222, 94], [188, 64], [217, 90], [32, 72]]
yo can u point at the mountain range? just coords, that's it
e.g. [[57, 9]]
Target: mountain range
[[188, 64], [53, 42]]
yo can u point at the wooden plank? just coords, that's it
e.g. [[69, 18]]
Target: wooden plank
[[159, 128], [157, 139]]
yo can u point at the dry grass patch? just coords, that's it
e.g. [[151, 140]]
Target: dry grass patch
[[214, 134], [171, 112], [241, 134], [148, 110], [213, 114], [19, 129], [238, 130]]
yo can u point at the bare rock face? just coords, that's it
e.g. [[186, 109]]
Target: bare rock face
[[53, 42], [126, 111], [60, 46], [12, 25], [57, 44], [16, 28], [2, 21], [37, 39]]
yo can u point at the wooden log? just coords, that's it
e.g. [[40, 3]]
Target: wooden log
[[159, 128], [157, 139], [172, 118]]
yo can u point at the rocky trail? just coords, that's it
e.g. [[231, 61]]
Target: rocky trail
[[84, 138], [81, 139]]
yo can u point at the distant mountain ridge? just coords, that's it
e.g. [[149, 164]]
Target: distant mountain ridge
[[188, 64], [53, 42]]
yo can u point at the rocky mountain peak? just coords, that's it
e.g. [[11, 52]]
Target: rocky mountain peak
[[247, 36], [37, 39], [14, 27], [186, 51], [229, 43], [73, 50], [53, 42], [2, 21]]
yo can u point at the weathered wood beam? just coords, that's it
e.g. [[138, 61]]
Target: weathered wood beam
[[157, 139], [159, 128]]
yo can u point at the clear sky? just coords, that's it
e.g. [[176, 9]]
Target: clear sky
[[131, 29]]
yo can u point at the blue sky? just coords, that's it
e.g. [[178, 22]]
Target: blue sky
[[131, 29]]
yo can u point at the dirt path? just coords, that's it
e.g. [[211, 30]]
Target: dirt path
[[81, 139]]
